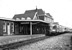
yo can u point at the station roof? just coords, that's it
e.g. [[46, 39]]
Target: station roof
[[29, 13], [8, 19], [31, 21]]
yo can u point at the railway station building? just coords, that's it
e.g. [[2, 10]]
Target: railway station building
[[6, 26], [31, 22]]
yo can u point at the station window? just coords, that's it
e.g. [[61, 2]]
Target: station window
[[41, 17], [4, 27], [12, 27], [7, 23]]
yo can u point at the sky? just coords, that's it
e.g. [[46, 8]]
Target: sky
[[61, 10]]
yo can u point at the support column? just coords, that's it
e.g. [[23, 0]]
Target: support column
[[12, 28], [30, 28], [8, 28]]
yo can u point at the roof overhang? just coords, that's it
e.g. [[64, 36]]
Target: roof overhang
[[31, 21], [8, 19]]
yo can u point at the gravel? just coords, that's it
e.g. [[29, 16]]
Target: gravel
[[60, 42]]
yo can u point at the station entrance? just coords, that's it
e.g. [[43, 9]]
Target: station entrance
[[22, 28], [31, 27], [25, 29]]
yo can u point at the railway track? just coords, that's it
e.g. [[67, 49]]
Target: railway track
[[21, 43]]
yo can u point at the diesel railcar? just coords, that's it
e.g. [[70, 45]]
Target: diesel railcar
[[56, 30]]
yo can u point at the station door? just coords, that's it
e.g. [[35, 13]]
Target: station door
[[25, 29]]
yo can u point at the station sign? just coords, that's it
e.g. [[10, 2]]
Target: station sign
[[24, 22]]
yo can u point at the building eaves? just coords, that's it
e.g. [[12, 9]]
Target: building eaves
[[7, 19]]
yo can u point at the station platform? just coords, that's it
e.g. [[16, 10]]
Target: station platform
[[16, 38]]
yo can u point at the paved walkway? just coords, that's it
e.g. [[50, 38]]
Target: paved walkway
[[60, 42]]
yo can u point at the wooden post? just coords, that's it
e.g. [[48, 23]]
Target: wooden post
[[30, 28], [14, 28]]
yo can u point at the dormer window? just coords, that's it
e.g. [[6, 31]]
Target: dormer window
[[41, 17], [17, 19], [22, 18], [28, 18]]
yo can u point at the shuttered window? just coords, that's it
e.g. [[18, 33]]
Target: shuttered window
[[4, 27], [12, 25]]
